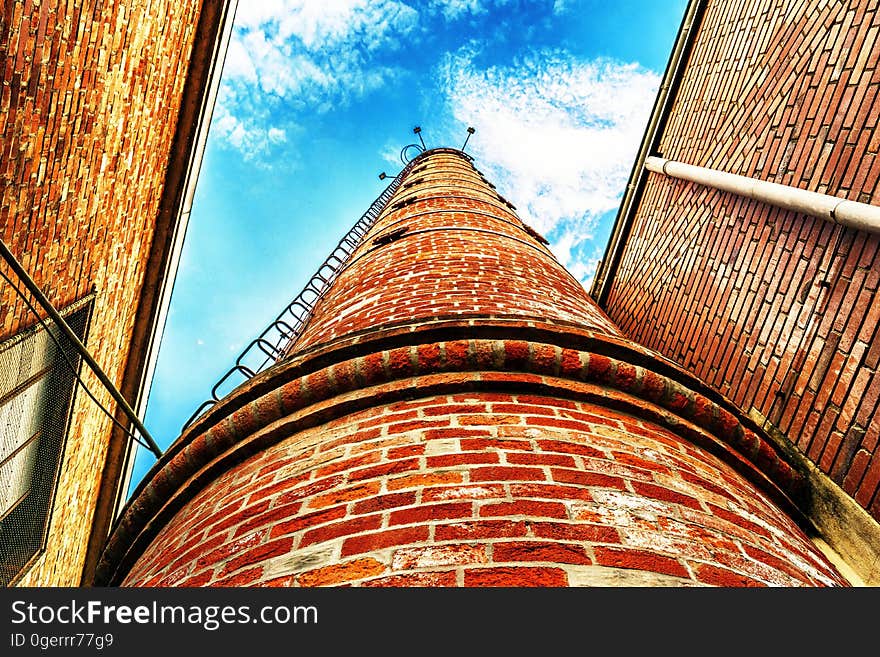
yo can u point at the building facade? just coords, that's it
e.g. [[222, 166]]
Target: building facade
[[101, 109], [774, 307]]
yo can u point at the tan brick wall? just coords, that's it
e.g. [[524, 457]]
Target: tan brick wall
[[776, 310], [89, 102]]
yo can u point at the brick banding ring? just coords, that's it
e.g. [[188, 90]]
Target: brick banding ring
[[203, 451]]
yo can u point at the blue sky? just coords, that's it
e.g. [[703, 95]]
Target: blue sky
[[319, 96]]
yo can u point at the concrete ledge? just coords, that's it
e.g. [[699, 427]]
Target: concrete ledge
[[839, 520]]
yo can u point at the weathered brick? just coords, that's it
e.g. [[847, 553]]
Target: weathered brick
[[343, 528], [433, 556], [257, 554], [524, 508], [539, 551], [431, 512], [640, 560], [502, 473], [343, 572], [423, 579], [381, 540], [515, 577]]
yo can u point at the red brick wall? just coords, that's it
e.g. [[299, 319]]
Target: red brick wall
[[776, 310], [457, 415], [88, 107], [482, 489], [465, 253]]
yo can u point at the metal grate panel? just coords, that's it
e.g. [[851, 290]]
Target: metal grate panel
[[36, 398]]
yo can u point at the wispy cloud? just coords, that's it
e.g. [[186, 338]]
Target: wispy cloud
[[290, 56], [455, 9], [556, 133], [558, 136]]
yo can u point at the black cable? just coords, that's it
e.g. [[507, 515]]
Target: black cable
[[73, 369]]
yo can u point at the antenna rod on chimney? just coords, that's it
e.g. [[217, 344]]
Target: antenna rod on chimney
[[470, 132], [418, 131]]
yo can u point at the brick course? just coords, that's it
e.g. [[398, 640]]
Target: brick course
[[490, 525], [464, 253]]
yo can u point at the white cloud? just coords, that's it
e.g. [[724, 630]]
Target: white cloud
[[391, 154], [238, 64], [455, 9], [287, 56], [557, 135], [246, 125], [276, 135], [321, 23]]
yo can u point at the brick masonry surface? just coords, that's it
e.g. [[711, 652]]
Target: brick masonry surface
[[449, 246], [776, 310], [402, 444], [88, 109], [482, 489]]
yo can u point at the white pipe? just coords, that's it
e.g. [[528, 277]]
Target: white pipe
[[853, 214]]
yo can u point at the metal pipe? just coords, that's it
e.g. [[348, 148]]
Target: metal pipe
[[34, 289], [852, 214]]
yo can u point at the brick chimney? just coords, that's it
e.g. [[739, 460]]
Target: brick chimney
[[458, 412]]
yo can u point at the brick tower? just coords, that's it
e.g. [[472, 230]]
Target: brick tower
[[458, 412]]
